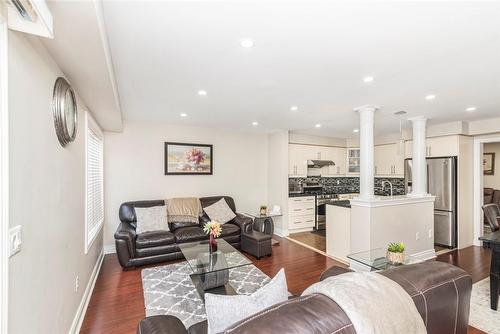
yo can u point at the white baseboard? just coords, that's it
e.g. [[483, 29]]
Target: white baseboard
[[84, 303], [281, 232], [425, 255], [109, 249]]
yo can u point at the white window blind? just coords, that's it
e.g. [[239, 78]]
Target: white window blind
[[95, 182]]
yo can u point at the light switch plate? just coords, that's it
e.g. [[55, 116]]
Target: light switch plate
[[15, 240]]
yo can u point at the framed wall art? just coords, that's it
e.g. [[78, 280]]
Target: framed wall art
[[488, 163], [188, 159]]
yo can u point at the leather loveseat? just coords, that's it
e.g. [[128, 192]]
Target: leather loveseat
[[135, 249], [440, 291]]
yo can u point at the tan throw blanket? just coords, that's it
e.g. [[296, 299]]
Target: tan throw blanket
[[374, 303], [186, 209]]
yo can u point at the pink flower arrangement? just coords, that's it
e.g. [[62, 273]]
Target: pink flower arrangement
[[213, 228], [194, 155]]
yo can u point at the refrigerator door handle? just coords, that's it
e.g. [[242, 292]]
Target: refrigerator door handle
[[444, 213]]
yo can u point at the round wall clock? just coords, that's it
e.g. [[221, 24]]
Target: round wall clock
[[65, 111]]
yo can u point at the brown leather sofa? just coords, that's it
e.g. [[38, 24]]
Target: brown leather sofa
[[440, 291], [135, 249]]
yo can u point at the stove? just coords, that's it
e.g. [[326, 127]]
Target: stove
[[322, 198]]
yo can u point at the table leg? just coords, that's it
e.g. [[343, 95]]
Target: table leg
[[495, 277]]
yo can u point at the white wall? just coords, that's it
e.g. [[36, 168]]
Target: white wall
[[47, 197], [278, 178], [493, 181], [134, 167]]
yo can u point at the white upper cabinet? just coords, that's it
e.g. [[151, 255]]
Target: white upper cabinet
[[297, 160], [389, 161], [353, 161], [299, 154], [436, 147]]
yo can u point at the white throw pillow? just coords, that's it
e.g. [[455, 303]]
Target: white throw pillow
[[220, 212], [151, 219], [224, 311]]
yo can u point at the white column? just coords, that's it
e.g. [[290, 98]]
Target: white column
[[366, 142], [419, 166]]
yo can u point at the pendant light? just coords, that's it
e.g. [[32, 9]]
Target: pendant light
[[401, 142]]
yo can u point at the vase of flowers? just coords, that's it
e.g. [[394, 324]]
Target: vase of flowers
[[395, 252], [194, 156], [213, 229]]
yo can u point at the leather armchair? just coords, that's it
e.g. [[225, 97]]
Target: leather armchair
[[492, 214], [433, 286]]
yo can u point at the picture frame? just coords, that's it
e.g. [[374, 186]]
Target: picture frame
[[488, 163], [188, 159]]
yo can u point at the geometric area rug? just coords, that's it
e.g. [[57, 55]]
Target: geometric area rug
[[169, 290], [481, 315]]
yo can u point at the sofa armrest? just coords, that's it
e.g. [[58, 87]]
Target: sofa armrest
[[161, 324], [244, 222], [125, 243], [334, 271]]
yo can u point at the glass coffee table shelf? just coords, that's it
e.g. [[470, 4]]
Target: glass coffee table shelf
[[375, 259], [210, 271]]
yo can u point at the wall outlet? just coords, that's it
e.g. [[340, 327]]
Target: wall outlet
[[417, 235], [430, 233], [77, 283], [15, 240]]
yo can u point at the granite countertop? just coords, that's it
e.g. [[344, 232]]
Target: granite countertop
[[344, 204]]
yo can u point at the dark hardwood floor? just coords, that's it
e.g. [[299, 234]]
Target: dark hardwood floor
[[117, 302], [310, 239]]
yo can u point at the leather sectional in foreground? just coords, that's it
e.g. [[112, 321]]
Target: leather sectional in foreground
[[440, 291]]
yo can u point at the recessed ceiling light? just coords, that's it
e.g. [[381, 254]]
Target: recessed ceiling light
[[430, 97], [294, 108], [246, 43], [184, 114], [471, 109], [202, 92], [317, 125], [368, 79], [355, 130], [255, 123]]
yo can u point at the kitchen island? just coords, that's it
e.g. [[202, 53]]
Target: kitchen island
[[362, 225]]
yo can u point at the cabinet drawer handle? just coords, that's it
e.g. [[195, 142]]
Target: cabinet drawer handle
[[297, 209], [309, 221], [310, 209]]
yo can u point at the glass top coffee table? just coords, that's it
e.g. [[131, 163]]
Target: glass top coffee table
[[211, 270], [375, 259]]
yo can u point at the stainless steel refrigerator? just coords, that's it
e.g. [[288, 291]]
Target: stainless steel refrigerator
[[442, 183]]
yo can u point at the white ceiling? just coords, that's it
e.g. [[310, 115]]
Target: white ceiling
[[307, 53]]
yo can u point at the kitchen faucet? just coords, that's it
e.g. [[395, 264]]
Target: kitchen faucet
[[390, 185]]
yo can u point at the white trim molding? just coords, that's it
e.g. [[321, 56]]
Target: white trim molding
[[4, 177], [109, 249], [84, 303], [478, 184]]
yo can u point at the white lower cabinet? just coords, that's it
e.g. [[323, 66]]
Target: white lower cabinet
[[301, 213]]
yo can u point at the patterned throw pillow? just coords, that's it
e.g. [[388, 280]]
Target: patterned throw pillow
[[151, 219], [220, 212], [223, 311]]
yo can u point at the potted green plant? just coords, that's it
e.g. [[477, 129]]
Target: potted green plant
[[395, 252], [263, 210]]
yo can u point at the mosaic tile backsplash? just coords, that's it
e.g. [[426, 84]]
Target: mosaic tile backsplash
[[346, 185]]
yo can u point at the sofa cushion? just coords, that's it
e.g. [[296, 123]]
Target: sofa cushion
[[175, 225], [154, 238], [230, 229], [151, 219], [220, 212], [189, 234], [224, 311]]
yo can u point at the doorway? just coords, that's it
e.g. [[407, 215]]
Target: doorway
[[486, 181]]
